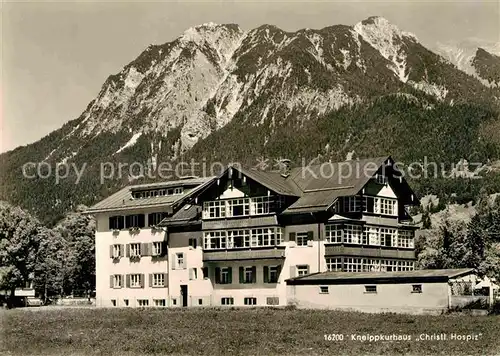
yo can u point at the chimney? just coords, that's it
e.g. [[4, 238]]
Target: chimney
[[285, 167]]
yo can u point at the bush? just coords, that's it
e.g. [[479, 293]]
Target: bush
[[495, 308]]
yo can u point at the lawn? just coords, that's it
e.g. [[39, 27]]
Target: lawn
[[237, 331]]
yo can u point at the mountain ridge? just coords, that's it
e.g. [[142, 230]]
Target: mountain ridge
[[216, 80]]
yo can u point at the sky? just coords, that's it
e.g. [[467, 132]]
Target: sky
[[56, 55]]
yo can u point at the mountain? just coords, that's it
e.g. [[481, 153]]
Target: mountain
[[475, 57], [218, 93]]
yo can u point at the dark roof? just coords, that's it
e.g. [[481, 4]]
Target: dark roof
[[186, 214], [272, 180], [424, 275], [122, 200], [322, 184]]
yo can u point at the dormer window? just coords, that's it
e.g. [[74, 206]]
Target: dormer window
[[178, 190]]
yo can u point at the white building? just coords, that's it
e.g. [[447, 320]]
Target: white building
[[234, 239]]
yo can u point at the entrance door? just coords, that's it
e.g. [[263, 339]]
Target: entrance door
[[184, 294]]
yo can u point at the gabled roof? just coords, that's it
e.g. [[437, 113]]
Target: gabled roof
[[322, 184], [123, 200], [424, 275]]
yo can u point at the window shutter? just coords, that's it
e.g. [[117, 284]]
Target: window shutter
[[121, 251], [150, 280], [173, 260], [111, 284], [310, 235], [205, 272], [278, 272], [150, 219], [184, 261], [121, 222], [242, 273], [291, 236], [141, 222], [127, 280], [111, 223], [293, 271], [122, 280], [230, 275], [142, 280], [307, 269], [254, 274], [217, 275], [191, 274], [110, 251], [164, 248], [127, 250], [165, 280], [266, 274], [144, 249]]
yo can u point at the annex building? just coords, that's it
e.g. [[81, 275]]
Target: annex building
[[235, 239]]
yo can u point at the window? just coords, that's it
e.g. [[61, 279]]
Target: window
[[387, 206], [200, 301], [272, 300], [302, 270], [174, 301], [405, 266], [372, 235], [155, 218], [250, 301], [301, 238], [157, 248], [369, 205], [334, 264], [135, 250], [247, 274], [389, 265], [158, 280], [353, 234], [416, 288], [135, 281], [227, 301], [371, 265], [193, 242], [125, 301], [214, 209], [193, 273], [215, 240], [136, 220], [388, 237], [223, 275], [353, 265], [116, 223], [117, 281], [179, 260], [159, 302], [113, 302], [238, 207], [260, 205], [323, 289], [370, 289], [352, 204], [333, 233], [271, 274], [142, 302], [116, 251], [405, 239], [178, 190]]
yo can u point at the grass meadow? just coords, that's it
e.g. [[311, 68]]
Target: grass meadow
[[89, 331]]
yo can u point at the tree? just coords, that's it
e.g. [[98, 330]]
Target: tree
[[19, 247]]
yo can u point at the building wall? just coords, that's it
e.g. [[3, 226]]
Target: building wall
[[389, 298], [107, 266]]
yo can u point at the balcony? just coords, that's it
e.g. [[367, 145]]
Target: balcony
[[369, 251], [255, 253]]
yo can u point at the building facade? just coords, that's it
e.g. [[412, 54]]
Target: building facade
[[236, 238]]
